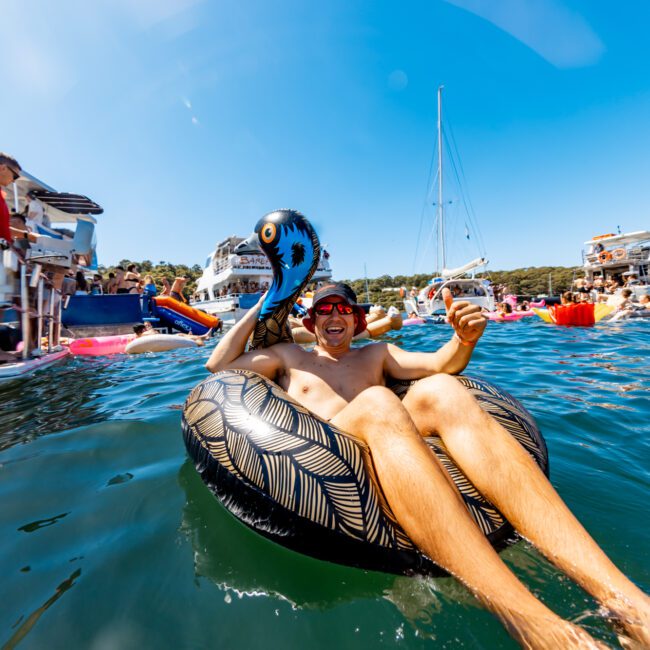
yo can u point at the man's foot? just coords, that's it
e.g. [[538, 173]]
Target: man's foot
[[207, 335], [631, 619], [550, 633]]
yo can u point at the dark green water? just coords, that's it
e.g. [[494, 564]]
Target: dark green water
[[110, 539]]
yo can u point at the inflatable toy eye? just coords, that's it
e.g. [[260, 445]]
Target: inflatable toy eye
[[268, 233]]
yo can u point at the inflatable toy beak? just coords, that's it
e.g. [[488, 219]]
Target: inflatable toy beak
[[250, 246]]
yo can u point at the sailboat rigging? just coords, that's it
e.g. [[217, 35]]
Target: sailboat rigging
[[458, 280]]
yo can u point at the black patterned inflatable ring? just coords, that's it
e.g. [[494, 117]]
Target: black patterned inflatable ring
[[309, 486]]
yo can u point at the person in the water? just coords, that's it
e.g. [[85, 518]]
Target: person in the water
[[347, 386]]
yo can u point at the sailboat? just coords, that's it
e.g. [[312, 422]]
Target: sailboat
[[461, 280]]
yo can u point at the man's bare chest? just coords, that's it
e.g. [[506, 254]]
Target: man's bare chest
[[323, 378]]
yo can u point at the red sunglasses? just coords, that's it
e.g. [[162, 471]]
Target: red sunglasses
[[326, 308]]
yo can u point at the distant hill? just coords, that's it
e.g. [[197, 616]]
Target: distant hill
[[527, 281], [530, 281]]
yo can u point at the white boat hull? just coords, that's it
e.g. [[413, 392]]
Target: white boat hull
[[429, 302], [25, 367]]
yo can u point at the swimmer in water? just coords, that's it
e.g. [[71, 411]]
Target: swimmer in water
[[147, 329], [347, 386]]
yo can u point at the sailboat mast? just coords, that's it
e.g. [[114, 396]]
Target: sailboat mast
[[441, 217]]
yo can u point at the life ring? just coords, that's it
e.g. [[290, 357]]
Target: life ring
[[296, 478], [619, 253], [604, 256]]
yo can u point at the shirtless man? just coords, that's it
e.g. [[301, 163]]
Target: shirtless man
[[177, 289], [347, 387]]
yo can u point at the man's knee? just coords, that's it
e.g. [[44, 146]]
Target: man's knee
[[379, 401], [436, 394]]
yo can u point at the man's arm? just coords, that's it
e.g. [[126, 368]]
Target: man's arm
[[230, 351], [452, 358]]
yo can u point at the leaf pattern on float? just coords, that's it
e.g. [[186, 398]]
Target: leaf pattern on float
[[260, 435], [304, 464]]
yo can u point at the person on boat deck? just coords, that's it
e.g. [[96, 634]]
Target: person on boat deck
[[177, 289], [631, 279], [132, 278], [347, 387], [97, 286], [111, 284], [22, 234], [167, 289], [122, 286], [149, 286], [599, 284], [82, 284], [9, 173]]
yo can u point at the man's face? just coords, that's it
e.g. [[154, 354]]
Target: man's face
[[8, 174], [334, 329]]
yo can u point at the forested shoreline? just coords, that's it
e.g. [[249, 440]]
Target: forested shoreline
[[525, 281]]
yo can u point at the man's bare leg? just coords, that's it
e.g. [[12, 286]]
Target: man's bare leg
[[508, 477], [432, 513]]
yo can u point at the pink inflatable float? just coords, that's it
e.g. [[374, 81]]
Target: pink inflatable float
[[515, 315], [101, 345]]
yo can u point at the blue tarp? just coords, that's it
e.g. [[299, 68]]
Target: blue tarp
[[103, 310]]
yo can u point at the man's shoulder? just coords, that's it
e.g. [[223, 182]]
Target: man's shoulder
[[372, 350]]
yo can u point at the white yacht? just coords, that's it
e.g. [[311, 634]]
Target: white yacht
[[619, 257], [461, 281], [232, 284]]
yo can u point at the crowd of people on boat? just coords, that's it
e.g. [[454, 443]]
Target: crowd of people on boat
[[243, 286], [123, 281]]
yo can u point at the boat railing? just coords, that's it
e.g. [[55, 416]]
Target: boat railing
[[33, 283], [258, 265]]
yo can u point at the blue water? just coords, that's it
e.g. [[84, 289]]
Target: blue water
[[110, 539]]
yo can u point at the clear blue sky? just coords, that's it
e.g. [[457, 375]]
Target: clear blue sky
[[187, 120]]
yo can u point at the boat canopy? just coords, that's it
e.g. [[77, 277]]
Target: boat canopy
[[66, 202], [60, 207], [466, 268], [620, 240]]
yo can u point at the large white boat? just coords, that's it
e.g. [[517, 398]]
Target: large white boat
[[32, 271], [461, 281], [231, 284], [619, 257]]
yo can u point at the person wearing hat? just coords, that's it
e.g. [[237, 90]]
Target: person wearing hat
[[347, 387], [9, 173]]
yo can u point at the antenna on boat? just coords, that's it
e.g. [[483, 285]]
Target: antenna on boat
[[441, 222]]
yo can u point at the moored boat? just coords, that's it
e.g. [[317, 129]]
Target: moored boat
[[461, 281], [33, 269], [623, 257], [231, 284]]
